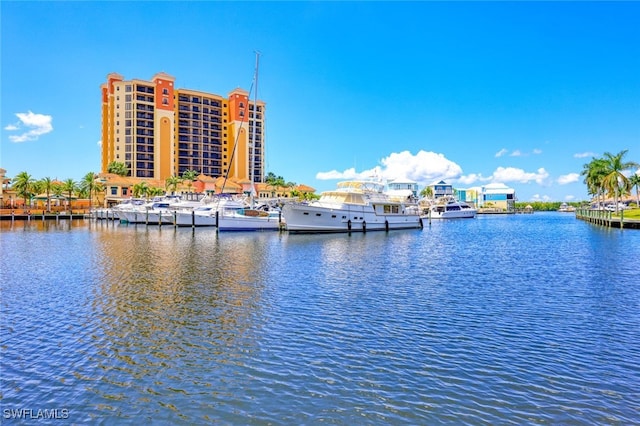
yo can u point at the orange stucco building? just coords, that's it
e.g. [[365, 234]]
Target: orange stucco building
[[159, 131]]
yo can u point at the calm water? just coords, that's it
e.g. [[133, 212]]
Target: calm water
[[527, 319]]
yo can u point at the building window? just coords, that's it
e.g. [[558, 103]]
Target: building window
[[165, 91], [165, 101]]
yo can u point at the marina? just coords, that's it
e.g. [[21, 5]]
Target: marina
[[502, 319]]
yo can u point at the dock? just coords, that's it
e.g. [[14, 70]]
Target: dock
[[607, 218], [15, 215]]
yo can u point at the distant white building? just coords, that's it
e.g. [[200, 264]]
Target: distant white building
[[496, 195], [405, 188]]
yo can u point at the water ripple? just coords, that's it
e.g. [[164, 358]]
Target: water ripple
[[499, 320]]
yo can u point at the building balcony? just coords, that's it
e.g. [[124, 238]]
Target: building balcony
[[144, 89]]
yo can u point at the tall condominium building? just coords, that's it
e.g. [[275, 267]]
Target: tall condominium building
[[159, 131]]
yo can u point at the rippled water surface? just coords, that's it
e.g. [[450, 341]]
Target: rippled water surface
[[525, 319]]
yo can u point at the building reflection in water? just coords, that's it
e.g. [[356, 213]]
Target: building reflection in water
[[173, 300]]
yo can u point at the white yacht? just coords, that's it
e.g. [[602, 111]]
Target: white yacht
[[449, 208], [117, 212], [355, 206], [153, 212], [207, 214], [234, 218]]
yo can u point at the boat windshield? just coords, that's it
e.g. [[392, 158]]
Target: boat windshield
[[360, 185]]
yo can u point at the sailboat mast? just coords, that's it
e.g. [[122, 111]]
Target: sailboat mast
[[252, 149]]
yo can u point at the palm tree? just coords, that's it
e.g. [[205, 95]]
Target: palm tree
[[98, 188], [154, 191], [23, 184], [615, 182], [427, 192], [118, 168], [47, 186], [37, 188], [634, 180], [69, 186], [189, 176], [88, 184], [172, 183], [594, 173], [57, 189], [140, 189], [274, 181]]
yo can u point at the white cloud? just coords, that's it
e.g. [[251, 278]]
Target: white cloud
[[334, 174], [538, 197], [570, 178], [423, 167], [472, 178], [100, 143], [570, 197], [584, 154], [516, 153], [34, 124], [512, 174]]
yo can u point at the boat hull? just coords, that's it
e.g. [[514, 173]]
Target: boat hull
[[301, 218], [195, 219], [247, 224], [462, 214], [151, 217]]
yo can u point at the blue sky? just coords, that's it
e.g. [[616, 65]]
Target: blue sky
[[468, 92]]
